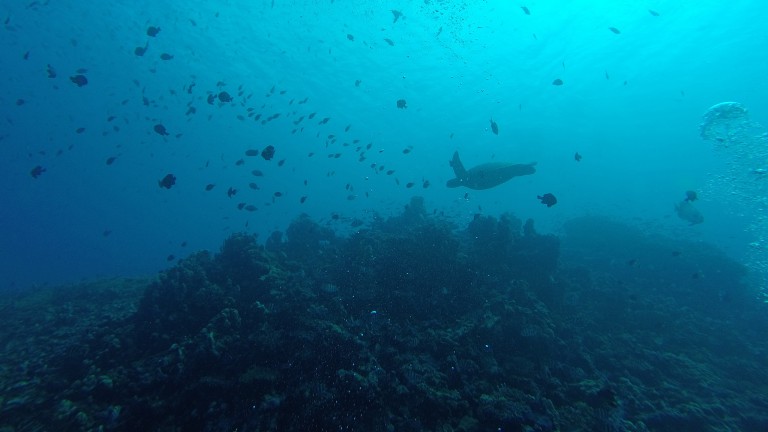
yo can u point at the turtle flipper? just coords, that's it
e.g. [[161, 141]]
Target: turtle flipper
[[458, 167]]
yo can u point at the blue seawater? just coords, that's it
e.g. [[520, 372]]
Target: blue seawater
[[636, 85]]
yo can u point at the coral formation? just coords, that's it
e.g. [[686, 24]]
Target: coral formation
[[411, 324]]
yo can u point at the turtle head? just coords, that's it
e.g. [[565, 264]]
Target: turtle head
[[454, 182]]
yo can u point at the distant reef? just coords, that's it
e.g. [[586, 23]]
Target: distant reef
[[409, 324]]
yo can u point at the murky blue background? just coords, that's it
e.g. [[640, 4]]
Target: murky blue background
[[631, 104]]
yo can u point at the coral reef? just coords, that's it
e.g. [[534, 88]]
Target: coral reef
[[411, 324]]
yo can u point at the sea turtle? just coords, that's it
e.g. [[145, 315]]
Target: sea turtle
[[687, 212], [488, 175]]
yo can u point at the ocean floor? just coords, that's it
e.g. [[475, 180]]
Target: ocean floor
[[411, 324]]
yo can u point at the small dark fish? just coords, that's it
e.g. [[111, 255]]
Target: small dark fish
[[303, 199], [26, 55], [577, 157], [231, 192], [239, 162], [79, 80], [632, 262], [111, 160], [614, 30], [82, 71], [80, 130], [547, 199], [160, 129], [278, 194], [36, 171], [184, 244], [607, 76], [409, 185], [425, 184], [168, 181], [209, 187], [257, 173], [251, 207], [170, 258], [407, 150], [19, 102], [240, 205], [401, 103], [557, 82], [251, 152], [106, 233], [140, 51], [691, 196], [653, 12], [357, 83], [281, 162], [268, 153], [312, 115], [396, 14], [225, 97], [389, 41], [350, 37], [525, 10], [51, 71], [254, 186], [211, 98], [494, 127], [165, 56], [152, 31]]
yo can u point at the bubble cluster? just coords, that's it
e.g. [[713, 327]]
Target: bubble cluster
[[742, 146], [723, 122]]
